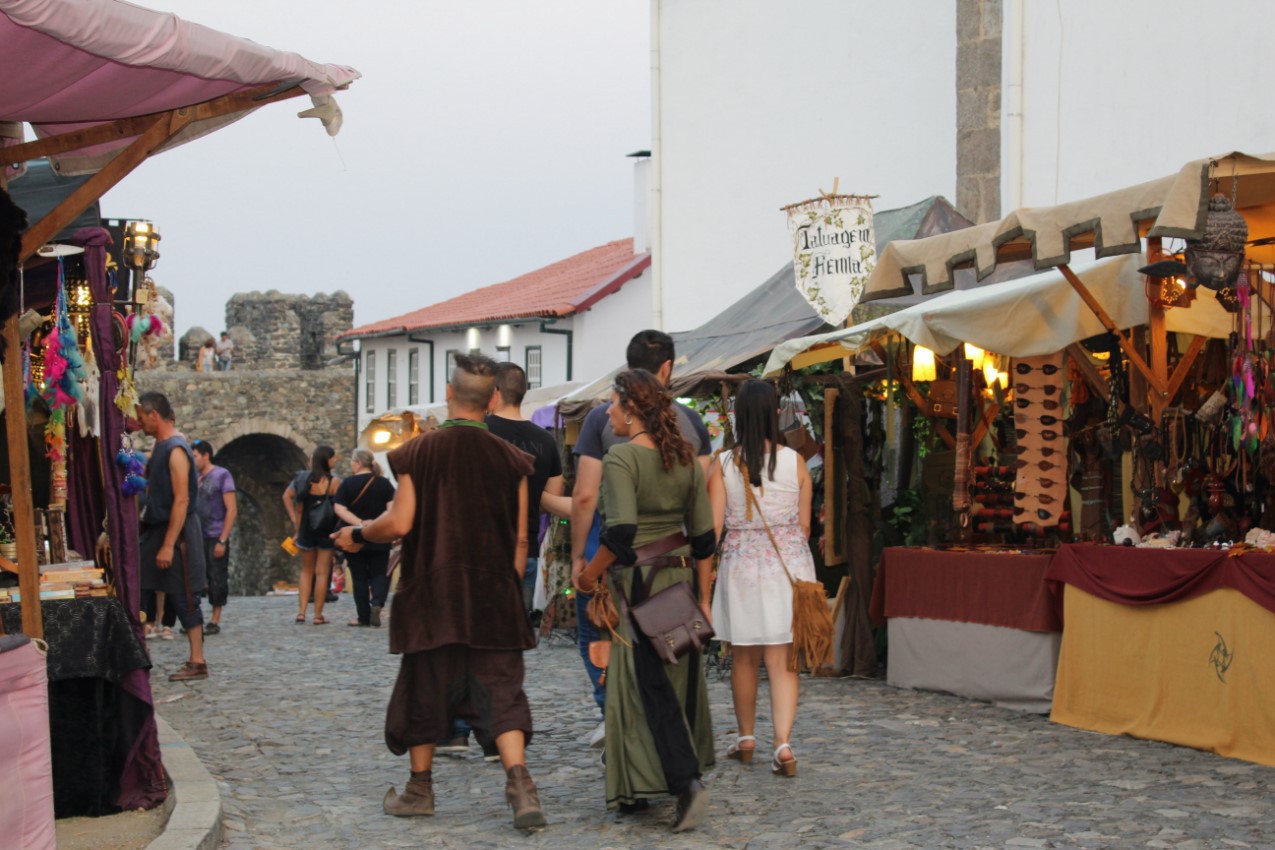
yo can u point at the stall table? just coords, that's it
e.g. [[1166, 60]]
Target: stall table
[[1169, 644], [93, 722], [972, 623]]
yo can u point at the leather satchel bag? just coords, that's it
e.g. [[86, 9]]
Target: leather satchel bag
[[673, 621]]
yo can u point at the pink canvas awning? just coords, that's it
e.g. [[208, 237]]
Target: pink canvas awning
[[71, 65]]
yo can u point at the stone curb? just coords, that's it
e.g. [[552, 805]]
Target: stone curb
[[195, 822]]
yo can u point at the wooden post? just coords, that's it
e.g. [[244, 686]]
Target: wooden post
[[1159, 345], [20, 482]]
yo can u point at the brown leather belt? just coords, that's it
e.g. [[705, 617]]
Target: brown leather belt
[[665, 561], [651, 551]]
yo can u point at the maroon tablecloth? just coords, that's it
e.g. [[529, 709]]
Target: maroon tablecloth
[[1133, 576], [970, 587]]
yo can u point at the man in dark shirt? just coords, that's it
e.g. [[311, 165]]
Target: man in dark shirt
[[653, 351], [507, 422]]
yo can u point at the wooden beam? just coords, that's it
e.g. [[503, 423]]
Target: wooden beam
[[15, 415], [819, 354], [990, 412], [1183, 368], [125, 128], [1081, 358], [1129, 349], [161, 130]]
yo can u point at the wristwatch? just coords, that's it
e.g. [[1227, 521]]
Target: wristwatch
[[221, 542], [356, 534]]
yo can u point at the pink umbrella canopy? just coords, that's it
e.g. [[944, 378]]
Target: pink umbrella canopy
[[71, 65]]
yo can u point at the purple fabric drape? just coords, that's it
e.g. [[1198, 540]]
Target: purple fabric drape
[[84, 509], [142, 780]]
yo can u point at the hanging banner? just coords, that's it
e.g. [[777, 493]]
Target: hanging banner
[[834, 252]]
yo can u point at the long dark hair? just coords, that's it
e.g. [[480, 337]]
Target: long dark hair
[[643, 392], [756, 422], [319, 466]]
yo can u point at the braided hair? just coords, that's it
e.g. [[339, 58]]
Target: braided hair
[[643, 394]]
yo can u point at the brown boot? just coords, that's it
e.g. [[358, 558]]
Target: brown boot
[[521, 793], [416, 800]]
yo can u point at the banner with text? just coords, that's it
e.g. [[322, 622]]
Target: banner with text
[[834, 252]]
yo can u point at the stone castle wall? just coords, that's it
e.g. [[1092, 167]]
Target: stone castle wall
[[288, 391]]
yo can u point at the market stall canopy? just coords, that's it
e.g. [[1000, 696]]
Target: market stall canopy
[[1111, 224], [105, 84], [1021, 318], [41, 189]]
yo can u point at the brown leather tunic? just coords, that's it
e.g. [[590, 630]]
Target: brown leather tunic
[[458, 584]]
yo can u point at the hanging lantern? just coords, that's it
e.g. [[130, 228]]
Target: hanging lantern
[[976, 355], [989, 371], [923, 368], [79, 305]]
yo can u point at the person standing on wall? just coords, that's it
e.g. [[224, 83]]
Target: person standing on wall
[[225, 350], [171, 542], [653, 351], [366, 493], [218, 508]]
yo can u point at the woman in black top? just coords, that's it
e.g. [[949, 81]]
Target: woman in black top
[[302, 499], [365, 495]]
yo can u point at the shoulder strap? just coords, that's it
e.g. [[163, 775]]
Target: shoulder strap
[[752, 500], [370, 479]]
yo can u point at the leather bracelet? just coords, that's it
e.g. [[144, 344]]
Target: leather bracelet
[[356, 534]]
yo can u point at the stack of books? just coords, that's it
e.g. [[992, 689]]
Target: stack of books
[[70, 580]]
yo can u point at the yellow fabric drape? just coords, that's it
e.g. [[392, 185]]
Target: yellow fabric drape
[[1199, 673]]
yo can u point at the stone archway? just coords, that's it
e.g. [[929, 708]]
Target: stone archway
[[262, 464]]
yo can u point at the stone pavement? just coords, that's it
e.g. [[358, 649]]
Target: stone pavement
[[290, 725]]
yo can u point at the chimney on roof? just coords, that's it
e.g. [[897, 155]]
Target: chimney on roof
[[641, 201]]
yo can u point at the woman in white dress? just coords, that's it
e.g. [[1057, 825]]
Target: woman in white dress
[[752, 606]]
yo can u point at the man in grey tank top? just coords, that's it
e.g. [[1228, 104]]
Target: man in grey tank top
[[171, 542]]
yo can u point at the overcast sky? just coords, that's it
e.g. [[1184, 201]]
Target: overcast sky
[[486, 139]]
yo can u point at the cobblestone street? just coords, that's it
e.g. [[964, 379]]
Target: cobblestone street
[[290, 724]]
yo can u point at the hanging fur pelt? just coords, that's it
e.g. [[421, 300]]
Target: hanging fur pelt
[[13, 220]]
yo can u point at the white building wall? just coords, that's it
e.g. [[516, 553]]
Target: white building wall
[[1144, 88], [553, 349], [603, 333], [757, 104]]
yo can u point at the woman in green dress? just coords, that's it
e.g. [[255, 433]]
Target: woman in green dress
[[659, 734]]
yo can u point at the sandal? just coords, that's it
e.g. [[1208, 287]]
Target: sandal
[[784, 768], [742, 754], [300, 618], [320, 621]]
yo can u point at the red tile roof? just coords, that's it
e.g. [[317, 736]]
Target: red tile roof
[[561, 289]]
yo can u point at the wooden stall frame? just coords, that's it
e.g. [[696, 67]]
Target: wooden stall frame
[[150, 132]]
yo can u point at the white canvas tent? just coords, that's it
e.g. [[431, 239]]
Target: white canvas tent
[[1020, 318]]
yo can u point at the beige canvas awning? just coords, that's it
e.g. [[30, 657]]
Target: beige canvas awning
[[1111, 224], [1020, 318]]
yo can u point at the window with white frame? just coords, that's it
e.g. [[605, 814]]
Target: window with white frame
[[503, 353], [533, 367], [391, 378], [414, 376], [450, 359], [369, 382]]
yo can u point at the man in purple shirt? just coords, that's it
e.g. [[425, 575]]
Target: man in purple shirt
[[217, 510]]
